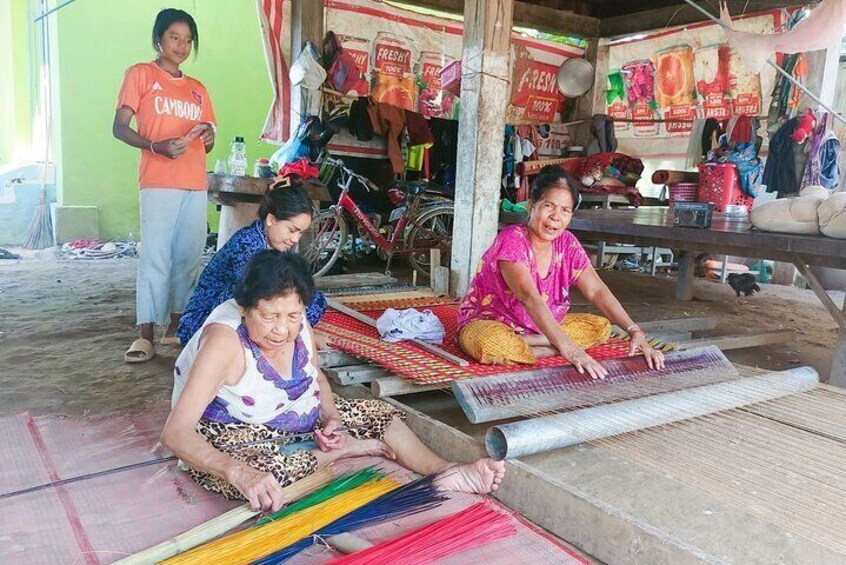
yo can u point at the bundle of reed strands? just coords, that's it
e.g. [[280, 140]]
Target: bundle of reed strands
[[474, 526], [342, 483], [417, 496], [222, 524], [245, 546]]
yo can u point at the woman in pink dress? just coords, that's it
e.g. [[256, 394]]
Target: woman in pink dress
[[517, 304]]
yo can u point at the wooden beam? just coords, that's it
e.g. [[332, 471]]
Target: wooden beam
[[728, 342], [680, 14], [541, 18], [384, 387], [340, 282], [818, 289], [335, 358], [679, 324], [355, 374]]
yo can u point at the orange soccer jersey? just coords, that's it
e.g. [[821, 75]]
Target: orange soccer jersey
[[167, 107]]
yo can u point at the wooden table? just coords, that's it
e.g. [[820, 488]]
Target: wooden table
[[727, 236], [239, 198]]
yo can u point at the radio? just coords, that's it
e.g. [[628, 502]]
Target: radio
[[693, 214]]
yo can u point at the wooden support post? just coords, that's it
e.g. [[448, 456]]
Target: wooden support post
[[438, 276], [306, 25], [684, 284], [484, 97], [838, 364]]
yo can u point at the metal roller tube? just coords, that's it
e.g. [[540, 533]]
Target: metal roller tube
[[517, 439]]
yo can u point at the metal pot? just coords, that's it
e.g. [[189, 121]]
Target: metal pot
[[575, 77]]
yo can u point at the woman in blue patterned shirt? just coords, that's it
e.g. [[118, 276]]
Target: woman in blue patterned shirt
[[284, 213]]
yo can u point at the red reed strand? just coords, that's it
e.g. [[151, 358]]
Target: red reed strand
[[474, 526]]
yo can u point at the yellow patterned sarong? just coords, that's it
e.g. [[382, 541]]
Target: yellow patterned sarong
[[494, 343]]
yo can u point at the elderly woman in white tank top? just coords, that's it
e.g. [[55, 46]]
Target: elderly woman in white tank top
[[251, 373]]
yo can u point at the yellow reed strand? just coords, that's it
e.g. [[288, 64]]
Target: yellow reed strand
[[248, 545]]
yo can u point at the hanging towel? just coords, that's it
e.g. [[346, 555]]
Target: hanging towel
[[825, 26]]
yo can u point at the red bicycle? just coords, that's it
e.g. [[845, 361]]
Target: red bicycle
[[412, 230]]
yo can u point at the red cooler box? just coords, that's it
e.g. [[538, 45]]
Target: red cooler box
[[719, 184]]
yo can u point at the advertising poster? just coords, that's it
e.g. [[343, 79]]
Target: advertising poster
[[400, 55], [673, 77]]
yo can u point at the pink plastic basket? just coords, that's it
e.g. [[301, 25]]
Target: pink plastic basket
[[683, 191], [720, 185]]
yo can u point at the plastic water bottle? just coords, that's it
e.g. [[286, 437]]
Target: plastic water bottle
[[238, 157]]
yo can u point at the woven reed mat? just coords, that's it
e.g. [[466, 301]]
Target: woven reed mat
[[413, 363]]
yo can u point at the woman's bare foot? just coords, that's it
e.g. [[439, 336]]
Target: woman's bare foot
[[480, 477]]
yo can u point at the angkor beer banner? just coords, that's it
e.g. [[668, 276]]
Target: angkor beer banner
[[401, 54], [682, 74]]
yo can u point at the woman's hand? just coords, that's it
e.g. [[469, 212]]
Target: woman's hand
[[261, 489], [327, 438], [170, 148], [208, 135], [654, 358], [585, 363]]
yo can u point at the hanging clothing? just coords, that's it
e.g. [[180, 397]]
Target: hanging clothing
[[360, 125], [780, 170], [711, 132], [389, 121], [307, 74], [829, 166], [604, 140], [418, 129]]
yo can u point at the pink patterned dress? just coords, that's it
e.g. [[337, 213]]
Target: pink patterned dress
[[489, 297]]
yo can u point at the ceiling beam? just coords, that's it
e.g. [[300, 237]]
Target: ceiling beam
[[681, 14], [542, 18]]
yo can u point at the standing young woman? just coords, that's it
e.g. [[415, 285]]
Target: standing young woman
[[175, 128]]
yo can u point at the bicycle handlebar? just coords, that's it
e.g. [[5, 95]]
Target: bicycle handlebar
[[368, 184]]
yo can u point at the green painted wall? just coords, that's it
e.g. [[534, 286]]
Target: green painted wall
[[97, 41], [15, 101]]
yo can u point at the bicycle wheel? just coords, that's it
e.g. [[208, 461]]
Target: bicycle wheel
[[324, 241], [431, 229]]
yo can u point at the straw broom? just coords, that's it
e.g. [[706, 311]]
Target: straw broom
[[40, 232], [222, 524]]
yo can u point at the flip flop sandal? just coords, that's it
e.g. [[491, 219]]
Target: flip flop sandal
[[141, 351], [170, 340]]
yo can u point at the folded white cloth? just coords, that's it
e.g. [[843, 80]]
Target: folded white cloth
[[397, 325]]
